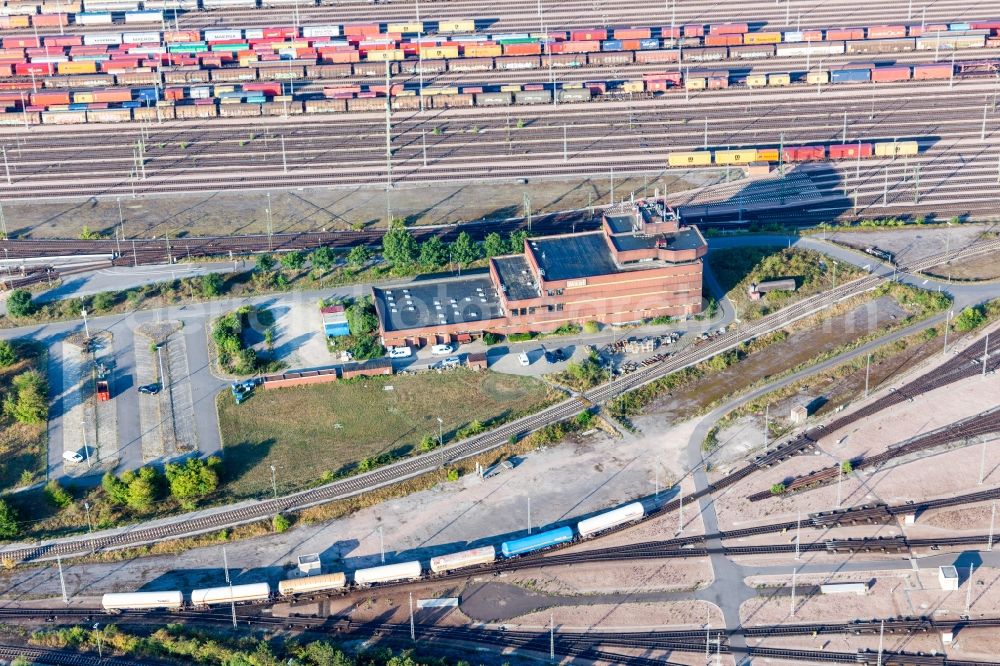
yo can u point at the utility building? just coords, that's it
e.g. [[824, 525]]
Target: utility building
[[640, 264]]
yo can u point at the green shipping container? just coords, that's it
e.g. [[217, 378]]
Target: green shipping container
[[189, 47], [519, 40], [230, 48]]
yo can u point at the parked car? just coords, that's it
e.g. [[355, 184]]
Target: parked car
[[523, 358], [441, 350], [400, 352], [73, 456], [149, 389], [451, 362]]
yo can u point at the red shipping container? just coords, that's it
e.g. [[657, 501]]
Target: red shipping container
[[598, 87], [633, 33], [534, 86], [578, 47], [113, 95], [692, 30], [845, 34], [728, 29], [936, 27], [173, 93], [891, 74], [467, 90], [851, 150], [723, 40], [271, 88], [341, 90], [205, 102], [63, 40], [522, 49], [6, 70], [886, 31], [283, 32], [340, 57], [812, 35], [932, 71], [631, 44], [50, 20], [364, 29], [50, 98], [21, 42], [588, 35], [804, 153], [181, 36], [670, 32], [36, 68], [915, 31]]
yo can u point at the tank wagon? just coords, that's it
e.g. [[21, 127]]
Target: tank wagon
[[117, 602], [230, 594], [536, 542]]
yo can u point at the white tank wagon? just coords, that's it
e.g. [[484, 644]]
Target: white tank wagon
[[609, 519], [231, 594], [388, 573], [465, 558], [334, 581], [120, 601]]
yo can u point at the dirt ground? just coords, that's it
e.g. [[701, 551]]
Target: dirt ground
[[913, 243], [315, 209], [894, 484]]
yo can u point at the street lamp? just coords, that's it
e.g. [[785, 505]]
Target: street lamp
[[440, 431], [274, 485], [86, 449]]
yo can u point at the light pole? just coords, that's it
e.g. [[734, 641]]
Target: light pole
[[100, 645], [90, 525], [274, 484], [86, 449], [86, 327]]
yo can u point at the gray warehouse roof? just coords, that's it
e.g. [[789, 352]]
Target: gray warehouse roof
[[571, 257], [516, 276], [438, 303], [685, 239]]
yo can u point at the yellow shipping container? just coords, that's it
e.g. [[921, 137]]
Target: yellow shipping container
[[696, 83], [18, 21], [767, 154], [736, 156], [224, 89], [429, 92], [510, 87], [411, 26], [702, 158], [248, 60], [80, 67], [779, 80], [572, 85], [818, 77], [384, 55], [82, 98], [756, 80], [892, 149], [457, 26], [438, 52], [478, 51], [634, 86], [762, 38]]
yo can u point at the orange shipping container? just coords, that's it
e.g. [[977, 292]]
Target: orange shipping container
[[49, 98], [340, 56], [483, 51], [723, 40], [362, 30], [528, 48], [762, 38], [77, 67], [632, 33]]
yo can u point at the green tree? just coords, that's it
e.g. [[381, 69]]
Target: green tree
[[322, 258], [846, 467], [7, 354], [777, 489], [19, 303], [8, 521], [280, 523], [359, 256], [265, 262], [116, 489], [433, 252], [428, 443], [102, 301], [398, 245], [211, 285], [494, 246], [361, 317], [27, 401], [142, 489], [968, 319], [56, 495], [584, 419], [293, 260], [193, 479], [367, 346], [464, 250], [516, 240]]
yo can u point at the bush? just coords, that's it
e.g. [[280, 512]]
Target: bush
[[102, 301], [846, 467], [777, 489], [265, 262], [322, 258], [56, 495], [359, 255], [211, 285], [116, 489], [470, 430], [585, 374], [361, 317], [7, 354], [365, 347], [520, 337], [8, 521], [280, 523], [493, 245], [143, 489], [428, 443], [453, 475], [193, 479], [591, 327], [293, 260], [584, 419], [969, 319], [491, 338], [28, 402], [19, 303]]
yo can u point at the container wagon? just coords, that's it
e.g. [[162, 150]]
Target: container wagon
[[116, 602], [231, 594], [465, 558], [334, 581], [536, 542], [609, 519], [388, 573]]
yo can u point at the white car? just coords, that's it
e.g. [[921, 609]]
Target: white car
[[72, 456], [400, 352], [523, 358], [451, 362], [441, 350]]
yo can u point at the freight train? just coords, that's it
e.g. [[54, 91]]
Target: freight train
[[835, 152], [389, 573]]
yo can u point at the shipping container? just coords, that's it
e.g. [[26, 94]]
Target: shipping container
[[143, 17], [98, 38], [850, 75], [756, 80], [530, 48], [76, 67], [767, 155], [762, 38], [886, 31], [932, 71], [808, 50], [632, 33], [694, 30], [482, 50], [727, 29], [891, 74], [744, 156], [464, 25], [588, 35], [895, 148], [226, 4], [851, 151], [803, 153], [816, 78], [779, 80], [49, 98], [723, 40], [844, 34]]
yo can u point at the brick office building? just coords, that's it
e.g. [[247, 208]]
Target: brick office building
[[640, 264]]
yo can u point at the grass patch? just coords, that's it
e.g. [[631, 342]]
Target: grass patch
[[317, 433], [22, 445]]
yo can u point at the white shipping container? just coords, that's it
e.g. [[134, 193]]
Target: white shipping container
[[42, 59], [609, 519], [141, 38], [144, 17], [110, 5], [321, 31], [97, 38], [813, 49], [388, 573], [465, 558], [200, 93], [253, 33], [228, 594], [147, 50], [843, 588], [222, 35], [218, 4], [174, 5], [142, 600], [93, 18], [791, 37]]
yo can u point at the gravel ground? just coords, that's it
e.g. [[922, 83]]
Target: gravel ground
[[298, 335], [911, 244]]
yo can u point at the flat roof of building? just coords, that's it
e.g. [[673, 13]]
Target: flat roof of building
[[686, 238], [573, 256], [620, 223], [516, 277], [438, 303]]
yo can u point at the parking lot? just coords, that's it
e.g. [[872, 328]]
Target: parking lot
[[177, 391]]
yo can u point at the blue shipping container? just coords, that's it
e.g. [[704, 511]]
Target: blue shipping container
[[536, 541], [959, 26], [145, 94], [649, 44], [78, 106], [850, 75], [131, 105], [791, 37], [611, 45], [256, 99]]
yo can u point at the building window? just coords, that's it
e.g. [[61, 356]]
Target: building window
[[559, 307], [531, 310]]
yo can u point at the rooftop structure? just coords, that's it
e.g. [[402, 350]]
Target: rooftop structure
[[443, 303]]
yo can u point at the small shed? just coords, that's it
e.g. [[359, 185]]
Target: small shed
[[948, 578], [758, 169], [369, 368], [477, 360], [309, 564], [843, 588], [335, 321], [757, 290], [799, 414]]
